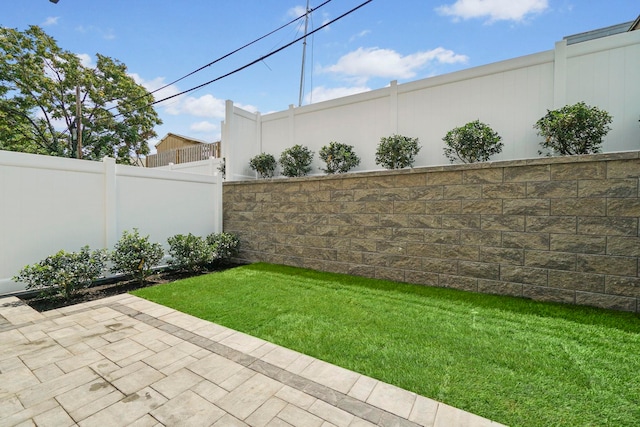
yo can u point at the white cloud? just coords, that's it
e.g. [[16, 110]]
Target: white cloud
[[248, 107], [325, 19], [363, 64], [51, 20], [157, 83], [360, 35], [86, 60], [154, 84], [296, 11], [494, 10], [107, 34], [203, 106], [203, 127], [322, 93]]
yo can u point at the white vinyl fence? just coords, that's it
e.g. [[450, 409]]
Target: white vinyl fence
[[510, 96], [210, 166], [51, 203]]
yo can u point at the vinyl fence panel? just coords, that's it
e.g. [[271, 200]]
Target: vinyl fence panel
[[50, 203]]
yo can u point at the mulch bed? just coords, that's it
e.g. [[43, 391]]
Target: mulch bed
[[109, 288]]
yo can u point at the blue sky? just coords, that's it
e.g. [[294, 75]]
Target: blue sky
[[404, 40]]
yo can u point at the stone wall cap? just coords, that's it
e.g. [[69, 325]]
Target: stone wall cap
[[581, 158]]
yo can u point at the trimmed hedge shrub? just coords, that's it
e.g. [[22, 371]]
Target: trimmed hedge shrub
[[135, 255], [264, 164], [573, 129], [65, 272], [223, 245], [195, 254], [397, 152], [296, 161], [473, 142], [340, 158], [189, 253]]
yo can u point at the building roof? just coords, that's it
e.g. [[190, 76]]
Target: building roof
[[187, 139], [604, 32]]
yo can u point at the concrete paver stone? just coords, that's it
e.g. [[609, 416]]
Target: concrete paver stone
[[124, 361], [127, 410], [188, 409], [176, 383], [249, 396], [265, 413], [330, 375], [296, 397], [392, 399], [299, 418]]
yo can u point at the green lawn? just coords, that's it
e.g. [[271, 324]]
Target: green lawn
[[515, 361]]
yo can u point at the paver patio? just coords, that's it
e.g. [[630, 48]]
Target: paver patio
[[124, 361]]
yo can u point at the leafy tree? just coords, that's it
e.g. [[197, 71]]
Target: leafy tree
[[38, 82], [338, 157], [296, 161], [573, 129], [397, 151], [264, 164], [473, 142]]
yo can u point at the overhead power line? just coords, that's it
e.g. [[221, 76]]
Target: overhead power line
[[262, 58], [221, 58], [239, 49]]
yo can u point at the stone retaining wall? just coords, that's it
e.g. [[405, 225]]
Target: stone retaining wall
[[559, 229]]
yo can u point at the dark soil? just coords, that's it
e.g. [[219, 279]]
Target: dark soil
[[108, 288]]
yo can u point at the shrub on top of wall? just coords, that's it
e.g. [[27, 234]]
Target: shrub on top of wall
[[65, 272], [264, 164], [339, 157], [473, 142], [296, 161], [573, 129], [134, 255], [397, 152]]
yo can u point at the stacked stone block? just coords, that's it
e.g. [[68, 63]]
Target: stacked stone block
[[559, 229]]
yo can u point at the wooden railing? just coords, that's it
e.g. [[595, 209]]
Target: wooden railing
[[184, 155]]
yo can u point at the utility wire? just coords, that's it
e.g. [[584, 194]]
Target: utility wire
[[240, 48], [262, 58], [222, 57]]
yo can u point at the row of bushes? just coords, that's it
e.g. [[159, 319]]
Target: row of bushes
[[296, 161], [573, 129], [64, 273]]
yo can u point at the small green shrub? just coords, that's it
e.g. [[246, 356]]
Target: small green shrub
[[573, 129], [397, 152], [188, 252], [65, 272], [222, 168], [135, 255], [264, 164], [223, 245], [473, 142], [338, 157], [296, 161]]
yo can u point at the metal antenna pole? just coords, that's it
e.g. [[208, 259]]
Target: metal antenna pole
[[304, 53]]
